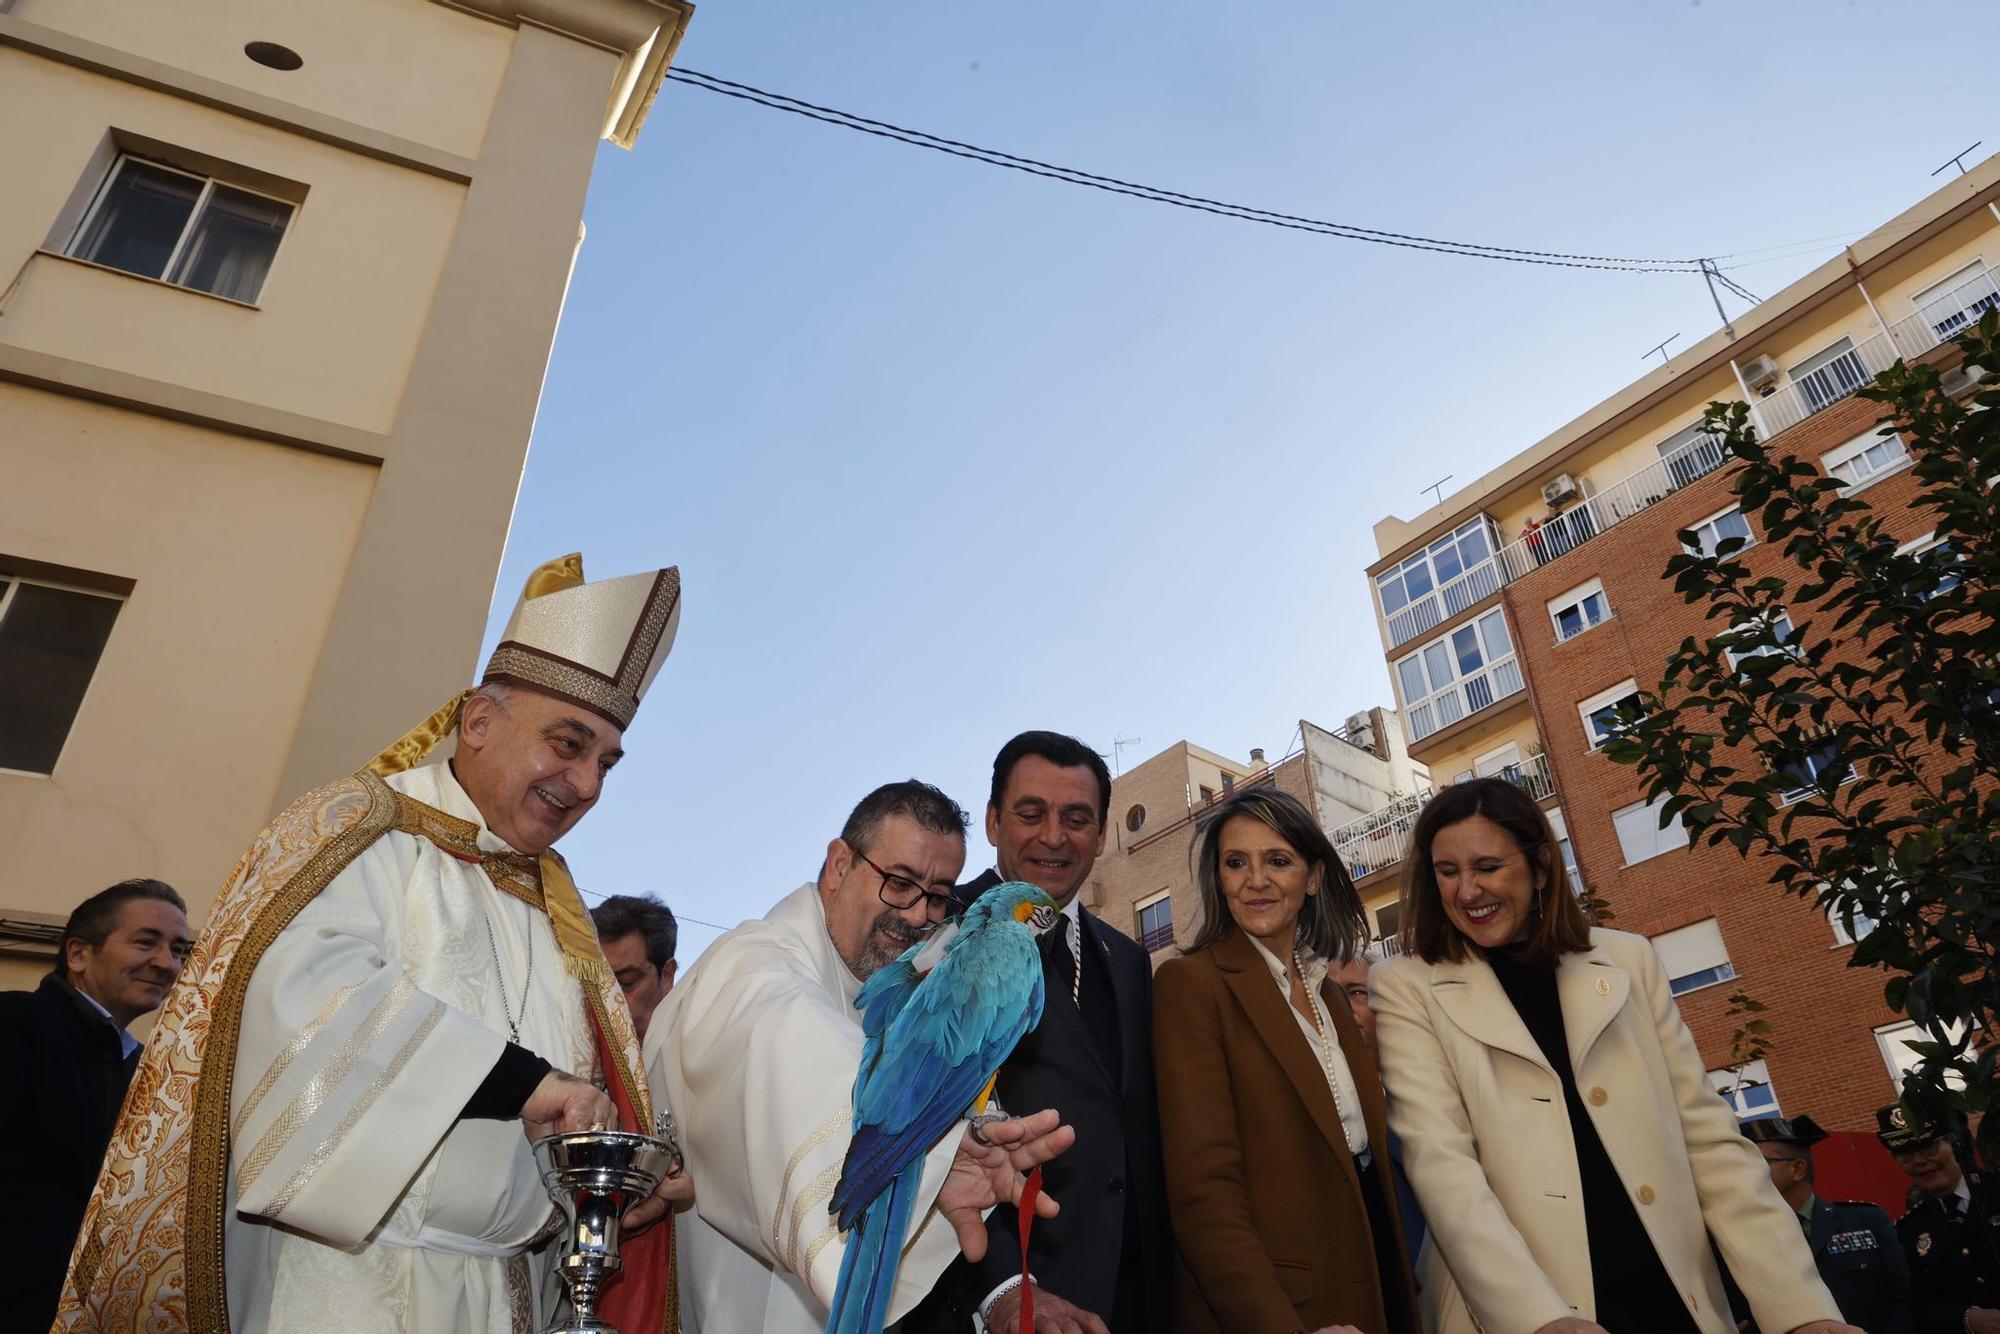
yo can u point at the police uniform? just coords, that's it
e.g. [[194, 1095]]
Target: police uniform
[[1853, 1243], [1953, 1245]]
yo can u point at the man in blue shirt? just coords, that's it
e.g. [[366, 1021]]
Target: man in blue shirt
[[66, 1057]]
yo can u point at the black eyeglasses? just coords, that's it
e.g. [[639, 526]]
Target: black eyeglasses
[[900, 892]]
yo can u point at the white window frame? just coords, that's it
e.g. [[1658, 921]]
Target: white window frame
[[1566, 849], [1706, 547], [1714, 975], [1917, 546], [10, 584], [201, 203], [1811, 789], [1857, 451], [1658, 835], [1585, 708], [1733, 1085], [1787, 632], [1845, 932], [1499, 672], [1165, 896], [1576, 597], [1890, 1036], [1427, 557]]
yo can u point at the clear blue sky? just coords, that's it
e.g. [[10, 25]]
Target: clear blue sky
[[944, 452]]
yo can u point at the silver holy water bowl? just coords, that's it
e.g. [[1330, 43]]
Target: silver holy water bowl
[[595, 1176]]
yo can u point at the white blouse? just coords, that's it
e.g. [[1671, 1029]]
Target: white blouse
[[1325, 1043]]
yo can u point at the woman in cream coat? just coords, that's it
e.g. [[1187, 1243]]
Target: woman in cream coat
[[1555, 1118]]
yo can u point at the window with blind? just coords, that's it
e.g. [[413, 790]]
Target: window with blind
[[1640, 835], [1694, 956], [1156, 924]]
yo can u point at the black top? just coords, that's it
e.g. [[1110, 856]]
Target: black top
[[63, 1074], [1632, 1289]]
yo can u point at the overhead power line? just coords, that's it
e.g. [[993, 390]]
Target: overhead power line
[[1160, 195]]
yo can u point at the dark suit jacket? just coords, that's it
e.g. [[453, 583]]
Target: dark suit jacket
[[1270, 1219], [63, 1076], [1116, 1157], [1954, 1262]]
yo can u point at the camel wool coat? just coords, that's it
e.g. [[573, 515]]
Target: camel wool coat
[[1487, 1144], [1270, 1227]]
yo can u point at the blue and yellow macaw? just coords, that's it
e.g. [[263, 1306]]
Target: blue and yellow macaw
[[933, 1044]]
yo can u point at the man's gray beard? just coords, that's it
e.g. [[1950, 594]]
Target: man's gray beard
[[868, 964]]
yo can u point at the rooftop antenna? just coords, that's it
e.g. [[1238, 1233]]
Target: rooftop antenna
[[1661, 348], [1118, 744], [1958, 160], [1436, 488]]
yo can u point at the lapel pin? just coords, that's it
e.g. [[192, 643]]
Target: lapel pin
[[1603, 986]]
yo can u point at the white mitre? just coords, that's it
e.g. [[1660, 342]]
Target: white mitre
[[599, 645]]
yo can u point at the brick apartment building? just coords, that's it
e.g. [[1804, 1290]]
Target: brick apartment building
[[1519, 612]]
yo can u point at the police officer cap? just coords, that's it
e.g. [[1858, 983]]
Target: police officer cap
[[1900, 1127], [1800, 1130]]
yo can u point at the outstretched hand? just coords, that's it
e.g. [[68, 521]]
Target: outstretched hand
[[675, 1191], [985, 1175], [561, 1103]]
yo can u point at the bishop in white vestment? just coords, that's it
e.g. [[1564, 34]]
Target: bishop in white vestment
[[326, 1130]]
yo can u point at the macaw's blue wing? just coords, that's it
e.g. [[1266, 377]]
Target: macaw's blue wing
[[947, 1037]]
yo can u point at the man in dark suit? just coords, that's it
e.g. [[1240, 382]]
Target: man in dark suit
[[65, 1061], [1952, 1232], [1105, 1263], [1853, 1242]]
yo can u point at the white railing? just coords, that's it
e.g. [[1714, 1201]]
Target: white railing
[[1821, 389], [1382, 837], [1946, 316], [1464, 697], [1612, 505], [1445, 601]]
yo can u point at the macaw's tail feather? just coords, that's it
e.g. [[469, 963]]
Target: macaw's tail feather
[[874, 1252]]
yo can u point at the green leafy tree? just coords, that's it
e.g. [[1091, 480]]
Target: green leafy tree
[[1839, 725]]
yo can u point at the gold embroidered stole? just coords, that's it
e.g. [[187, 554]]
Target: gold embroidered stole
[[149, 1254]]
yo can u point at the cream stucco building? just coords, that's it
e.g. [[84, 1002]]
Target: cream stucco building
[[278, 283]]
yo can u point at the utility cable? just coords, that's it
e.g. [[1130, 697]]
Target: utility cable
[[1156, 194]]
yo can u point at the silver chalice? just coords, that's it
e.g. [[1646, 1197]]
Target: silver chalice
[[594, 1177]]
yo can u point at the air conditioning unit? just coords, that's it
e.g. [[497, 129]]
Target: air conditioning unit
[[1958, 381], [1760, 373], [1358, 722], [1559, 488]]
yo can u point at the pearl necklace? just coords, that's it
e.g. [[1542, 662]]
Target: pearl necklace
[[1323, 1044]]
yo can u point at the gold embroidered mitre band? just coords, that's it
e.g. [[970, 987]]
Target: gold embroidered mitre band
[[599, 645]]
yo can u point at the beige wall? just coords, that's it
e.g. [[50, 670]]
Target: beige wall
[[347, 296], [412, 69], [236, 551], [274, 480]]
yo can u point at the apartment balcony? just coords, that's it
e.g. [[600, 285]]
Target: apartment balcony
[[1381, 838], [1947, 316], [1611, 505]]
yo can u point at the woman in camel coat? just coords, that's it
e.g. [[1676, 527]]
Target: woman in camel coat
[[1556, 1121], [1271, 1110]]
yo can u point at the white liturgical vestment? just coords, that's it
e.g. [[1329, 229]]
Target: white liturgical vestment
[[362, 1201], [754, 1051]]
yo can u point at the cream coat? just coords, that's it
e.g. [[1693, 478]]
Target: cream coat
[[1487, 1144]]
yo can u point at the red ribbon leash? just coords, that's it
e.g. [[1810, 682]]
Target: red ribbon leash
[[1030, 1192]]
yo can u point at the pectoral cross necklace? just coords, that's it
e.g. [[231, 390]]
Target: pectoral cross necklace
[[500, 976]]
